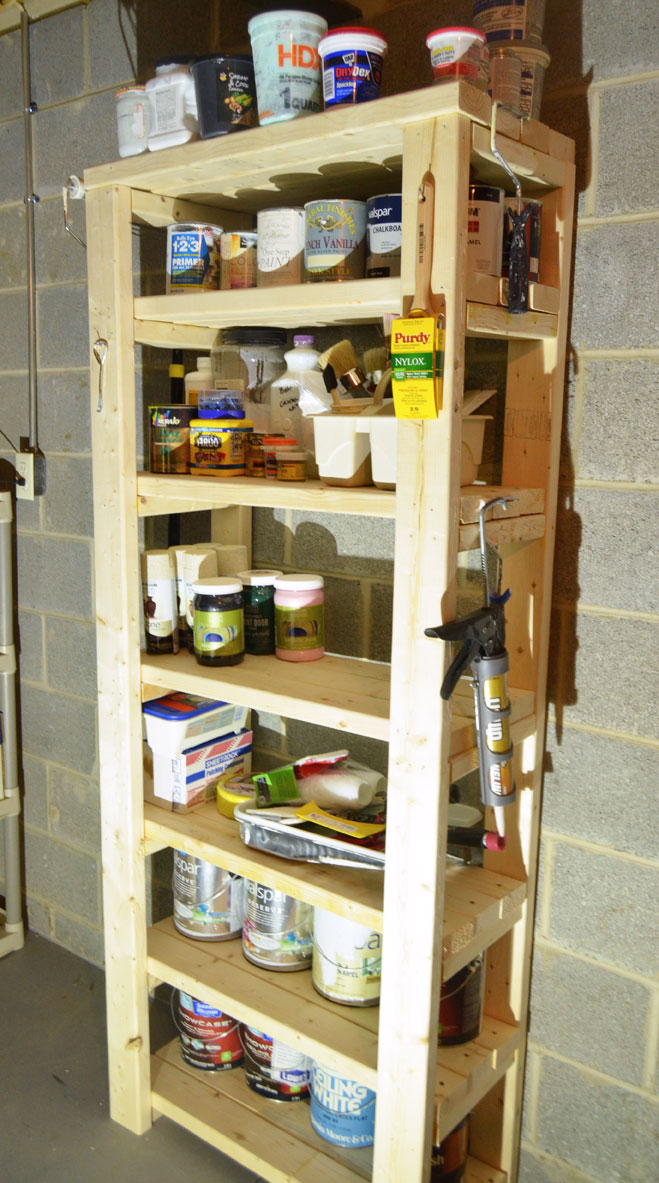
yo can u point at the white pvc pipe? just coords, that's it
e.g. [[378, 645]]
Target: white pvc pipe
[[12, 937]]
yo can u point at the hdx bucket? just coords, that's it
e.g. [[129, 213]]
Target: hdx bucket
[[286, 63]]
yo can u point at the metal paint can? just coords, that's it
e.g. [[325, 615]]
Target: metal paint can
[[238, 255], [347, 960], [484, 229], [342, 1111], [533, 236], [277, 929], [272, 1069], [280, 246], [208, 901], [449, 1158], [170, 437], [209, 1038], [461, 1005], [384, 233], [335, 239], [193, 257]]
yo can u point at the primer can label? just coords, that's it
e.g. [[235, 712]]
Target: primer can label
[[342, 1111], [193, 257]]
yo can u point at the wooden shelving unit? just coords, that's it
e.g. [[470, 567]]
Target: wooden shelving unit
[[435, 916]]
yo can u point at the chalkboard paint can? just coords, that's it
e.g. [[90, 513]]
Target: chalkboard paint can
[[384, 232], [533, 231], [449, 1158], [485, 229], [335, 239], [347, 960], [208, 901], [461, 1004], [280, 246], [342, 1110], [209, 1038], [277, 929], [272, 1069], [193, 257]]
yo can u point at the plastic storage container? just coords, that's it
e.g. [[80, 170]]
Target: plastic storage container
[[286, 63], [178, 721], [199, 379], [133, 119], [217, 446], [343, 450], [226, 93], [382, 430], [455, 53], [173, 104], [352, 59]]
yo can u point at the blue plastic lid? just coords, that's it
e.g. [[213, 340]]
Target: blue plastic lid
[[178, 705]]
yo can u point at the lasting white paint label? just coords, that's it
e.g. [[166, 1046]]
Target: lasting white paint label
[[342, 1111]]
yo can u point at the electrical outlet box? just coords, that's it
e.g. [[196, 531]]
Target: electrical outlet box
[[24, 462]]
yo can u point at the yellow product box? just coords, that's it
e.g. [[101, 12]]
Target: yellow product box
[[417, 366], [342, 825]]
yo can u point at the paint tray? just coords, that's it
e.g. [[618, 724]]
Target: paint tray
[[265, 829]]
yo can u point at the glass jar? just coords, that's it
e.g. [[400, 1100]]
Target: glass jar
[[259, 609], [299, 617], [291, 465], [219, 633], [255, 357]]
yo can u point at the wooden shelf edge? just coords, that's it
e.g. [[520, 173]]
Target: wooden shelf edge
[[467, 1072], [157, 494], [479, 1172]]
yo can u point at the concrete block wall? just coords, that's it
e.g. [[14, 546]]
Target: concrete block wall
[[591, 1102]]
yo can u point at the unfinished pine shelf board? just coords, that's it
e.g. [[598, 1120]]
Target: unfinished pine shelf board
[[483, 320], [275, 1141], [184, 494], [466, 1072], [541, 297], [480, 1172]]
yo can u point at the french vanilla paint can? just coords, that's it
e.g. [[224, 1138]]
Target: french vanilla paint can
[[484, 229], [208, 901], [335, 239], [209, 1038], [193, 257], [342, 1111], [272, 1069], [276, 929], [280, 246], [384, 234], [238, 259], [347, 960]]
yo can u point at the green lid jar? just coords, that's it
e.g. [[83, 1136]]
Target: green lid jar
[[219, 632], [259, 608]]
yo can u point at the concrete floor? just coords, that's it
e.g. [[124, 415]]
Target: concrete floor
[[54, 1123]]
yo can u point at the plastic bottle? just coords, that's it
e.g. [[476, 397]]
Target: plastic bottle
[[199, 379], [302, 376], [173, 104]]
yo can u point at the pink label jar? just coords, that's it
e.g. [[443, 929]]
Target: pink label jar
[[299, 617]]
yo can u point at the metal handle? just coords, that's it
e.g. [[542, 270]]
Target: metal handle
[[100, 349]]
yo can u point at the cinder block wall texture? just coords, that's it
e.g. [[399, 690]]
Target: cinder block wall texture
[[591, 1095]]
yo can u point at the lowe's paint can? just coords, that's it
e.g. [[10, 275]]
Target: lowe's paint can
[[193, 258], [384, 234], [347, 960], [277, 929], [208, 901], [209, 1038], [461, 1004], [484, 229], [272, 1069], [449, 1158], [335, 239], [342, 1111], [533, 232]]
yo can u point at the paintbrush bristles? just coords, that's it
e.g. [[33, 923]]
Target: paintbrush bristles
[[341, 357]]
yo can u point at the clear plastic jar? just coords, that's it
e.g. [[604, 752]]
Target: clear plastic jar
[[219, 631], [299, 617], [255, 357]]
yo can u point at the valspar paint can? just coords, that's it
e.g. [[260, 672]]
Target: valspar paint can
[[533, 232], [347, 960], [335, 239], [193, 257], [449, 1157], [280, 246], [342, 1111], [272, 1069], [208, 901], [384, 233], [277, 929], [238, 260], [209, 1038], [461, 1005], [484, 229]]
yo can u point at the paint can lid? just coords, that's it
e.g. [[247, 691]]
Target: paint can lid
[[215, 585], [299, 582]]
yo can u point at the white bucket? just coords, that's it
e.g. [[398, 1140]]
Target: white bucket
[[455, 53], [287, 63], [343, 454], [503, 20]]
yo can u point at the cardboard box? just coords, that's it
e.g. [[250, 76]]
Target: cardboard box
[[187, 780], [178, 721]]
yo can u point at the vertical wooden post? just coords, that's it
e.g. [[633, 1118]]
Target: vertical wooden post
[[426, 563], [118, 610]]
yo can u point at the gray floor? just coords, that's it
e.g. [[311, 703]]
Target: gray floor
[[54, 1124]]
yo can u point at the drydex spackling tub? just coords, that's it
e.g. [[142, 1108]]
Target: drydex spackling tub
[[342, 1111]]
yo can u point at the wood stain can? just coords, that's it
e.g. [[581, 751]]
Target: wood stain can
[[449, 1157], [276, 929], [279, 246], [272, 1069], [208, 901], [335, 239], [347, 960], [461, 1004], [209, 1038]]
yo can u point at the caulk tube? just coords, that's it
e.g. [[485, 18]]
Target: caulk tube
[[495, 748]]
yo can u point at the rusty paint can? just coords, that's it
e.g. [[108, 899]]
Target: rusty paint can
[[277, 929], [272, 1069], [347, 960]]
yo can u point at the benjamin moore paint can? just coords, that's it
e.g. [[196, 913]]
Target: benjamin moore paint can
[[272, 1069], [384, 229], [193, 257], [335, 239], [209, 1038], [484, 229], [208, 901], [280, 246], [277, 929], [342, 1111], [347, 960]]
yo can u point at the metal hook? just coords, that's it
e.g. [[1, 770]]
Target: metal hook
[[100, 350], [504, 501], [495, 151], [75, 189]]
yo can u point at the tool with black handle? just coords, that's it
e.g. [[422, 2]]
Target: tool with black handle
[[483, 637]]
